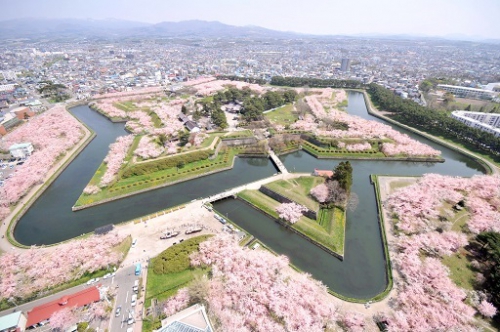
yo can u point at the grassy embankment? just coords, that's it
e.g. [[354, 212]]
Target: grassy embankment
[[328, 230], [159, 177], [170, 271]]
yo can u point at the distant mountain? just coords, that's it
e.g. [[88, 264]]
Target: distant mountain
[[57, 28], [112, 28]]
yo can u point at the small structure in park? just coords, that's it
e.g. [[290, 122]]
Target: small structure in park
[[192, 319], [323, 173], [15, 321], [21, 150]]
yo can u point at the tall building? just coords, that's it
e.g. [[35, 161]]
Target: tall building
[[484, 121], [345, 65]]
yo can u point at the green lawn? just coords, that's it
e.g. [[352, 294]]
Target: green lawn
[[242, 133], [162, 286], [152, 180], [332, 239], [282, 116], [460, 271], [298, 190]]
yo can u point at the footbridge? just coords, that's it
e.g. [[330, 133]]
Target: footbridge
[[252, 185], [277, 162]]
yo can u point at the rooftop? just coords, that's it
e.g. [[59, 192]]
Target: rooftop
[[9, 321], [79, 299], [192, 319]]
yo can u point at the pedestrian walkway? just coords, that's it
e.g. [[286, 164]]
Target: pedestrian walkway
[[277, 162]]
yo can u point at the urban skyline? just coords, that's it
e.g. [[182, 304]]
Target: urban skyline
[[452, 19]]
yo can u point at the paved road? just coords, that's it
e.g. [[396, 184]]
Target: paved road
[[125, 279]]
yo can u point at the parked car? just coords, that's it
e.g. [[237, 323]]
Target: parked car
[[91, 281], [118, 311]]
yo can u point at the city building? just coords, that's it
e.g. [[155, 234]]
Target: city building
[[21, 150], [345, 65], [483, 121], [461, 91], [14, 322], [192, 319], [79, 299]]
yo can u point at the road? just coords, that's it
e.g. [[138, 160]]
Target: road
[[124, 279]]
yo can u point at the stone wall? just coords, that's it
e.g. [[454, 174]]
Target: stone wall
[[283, 199]]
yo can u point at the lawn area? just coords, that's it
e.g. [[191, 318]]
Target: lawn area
[[161, 286], [282, 116], [148, 181], [334, 240], [298, 190], [460, 270], [242, 133]]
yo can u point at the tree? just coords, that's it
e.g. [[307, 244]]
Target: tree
[[343, 174], [290, 212], [184, 109], [448, 98], [320, 192], [426, 86]]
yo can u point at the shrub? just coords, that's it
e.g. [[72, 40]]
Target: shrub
[[176, 258]]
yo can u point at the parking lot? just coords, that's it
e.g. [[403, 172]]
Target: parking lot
[[7, 167]]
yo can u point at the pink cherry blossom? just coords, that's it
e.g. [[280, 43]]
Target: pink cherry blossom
[[148, 148], [253, 290], [19, 277], [115, 158], [320, 192], [487, 309], [290, 212], [52, 134], [62, 319]]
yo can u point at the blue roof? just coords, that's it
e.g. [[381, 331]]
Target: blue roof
[[10, 320]]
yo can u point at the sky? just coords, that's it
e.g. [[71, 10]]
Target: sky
[[472, 18]]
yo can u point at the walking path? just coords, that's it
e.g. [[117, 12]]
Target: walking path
[[253, 185], [277, 162]]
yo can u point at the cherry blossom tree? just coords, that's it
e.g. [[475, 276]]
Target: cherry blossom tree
[[257, 291], [290, 212], [148, 148], [114, 159], [19, 277], [52, 134], [320, 192], [62, 319], [487, 309]]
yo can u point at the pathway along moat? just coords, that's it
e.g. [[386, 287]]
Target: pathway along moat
[[360, 275]]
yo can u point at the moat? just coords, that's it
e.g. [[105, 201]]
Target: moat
[[362, 274]]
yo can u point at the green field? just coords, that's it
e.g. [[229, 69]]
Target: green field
[[161, 286], [329, 230], [124, 186], [298, 190], [282, 116]]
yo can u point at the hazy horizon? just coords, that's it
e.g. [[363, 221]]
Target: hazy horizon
[[320, 17]]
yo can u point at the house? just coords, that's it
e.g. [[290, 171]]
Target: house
[[21, 150], [22, 112], [192, 319], [14, 322], [323, 173], [192, 126], [79, 299]]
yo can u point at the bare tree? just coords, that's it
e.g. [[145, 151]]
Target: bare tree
[[337, 195]]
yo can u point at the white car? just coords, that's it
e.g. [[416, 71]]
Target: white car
[[106, 276], [91, 281]]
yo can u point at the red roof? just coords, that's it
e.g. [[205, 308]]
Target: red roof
[[79, 299], [320, 172]]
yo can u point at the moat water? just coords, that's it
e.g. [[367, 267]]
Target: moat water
[[362, 274]]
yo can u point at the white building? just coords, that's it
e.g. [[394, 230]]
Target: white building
[[21, 150], [462, 91], [483, 121]]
